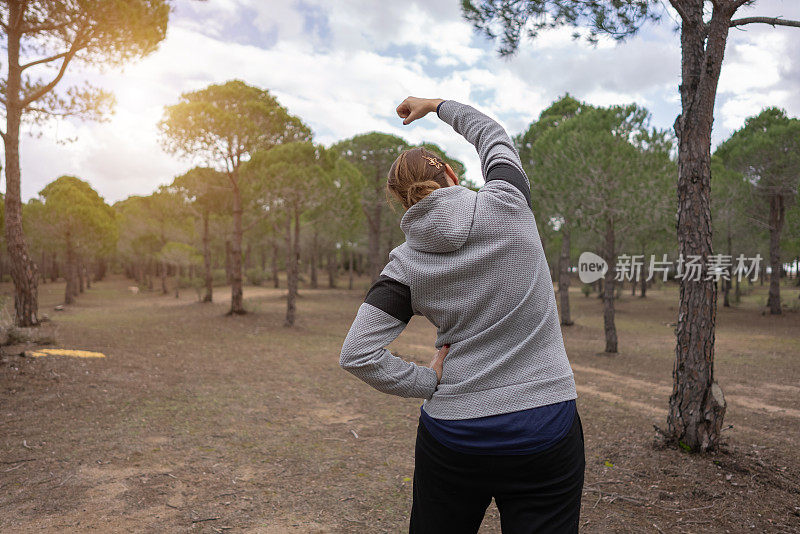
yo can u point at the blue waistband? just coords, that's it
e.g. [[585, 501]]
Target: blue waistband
[[522, 432]]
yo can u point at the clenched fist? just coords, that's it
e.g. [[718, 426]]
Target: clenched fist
[[413, 108]]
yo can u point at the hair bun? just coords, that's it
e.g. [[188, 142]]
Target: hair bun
[[415, 174]]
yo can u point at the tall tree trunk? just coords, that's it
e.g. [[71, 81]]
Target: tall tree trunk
[[207, 275], [777, 211], [609, 326], [69, 273], [23, 270], [81, 277], [726, 284], [237, 297], [262, 255], [88, 276], [163, 267], [248, 257], [228, 268], [563, 276], [292, 267], [350, 268], [75, 275], [314, 261], [42, 266], [275, 280], [642, 283], [102, 267], [332, 266], [697, 405]]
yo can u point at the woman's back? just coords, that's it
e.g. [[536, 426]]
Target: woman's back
[[491, 300]]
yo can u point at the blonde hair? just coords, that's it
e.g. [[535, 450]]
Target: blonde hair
[[415, 174]]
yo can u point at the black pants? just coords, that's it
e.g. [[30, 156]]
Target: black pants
[[539, 492]]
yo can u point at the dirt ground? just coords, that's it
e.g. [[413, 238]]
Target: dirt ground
[[197, 422]]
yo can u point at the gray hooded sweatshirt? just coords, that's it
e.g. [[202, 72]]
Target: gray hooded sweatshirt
[[473, 265]]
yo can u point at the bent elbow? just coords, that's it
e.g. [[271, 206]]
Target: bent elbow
[[349, 358], [345, 359]]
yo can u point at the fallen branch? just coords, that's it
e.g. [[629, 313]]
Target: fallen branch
[[206, 519]]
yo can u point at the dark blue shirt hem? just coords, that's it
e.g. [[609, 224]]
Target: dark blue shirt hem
[[515, 433]]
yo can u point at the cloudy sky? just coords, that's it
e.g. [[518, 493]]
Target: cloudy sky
[[344, 66]]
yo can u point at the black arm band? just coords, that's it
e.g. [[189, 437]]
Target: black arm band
[[512, 175], [391, 296]]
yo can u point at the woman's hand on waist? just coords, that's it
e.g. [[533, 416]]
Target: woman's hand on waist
[[438, 362]]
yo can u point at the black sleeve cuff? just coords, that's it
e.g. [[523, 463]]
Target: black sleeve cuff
[[512, 175], [439, 105], [391, 296]]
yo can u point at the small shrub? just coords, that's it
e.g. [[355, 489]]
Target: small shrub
[[586, 289]]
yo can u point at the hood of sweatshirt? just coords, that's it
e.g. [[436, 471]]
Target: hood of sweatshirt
[[441, 221]]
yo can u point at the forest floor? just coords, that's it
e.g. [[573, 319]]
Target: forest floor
[[199, 422]]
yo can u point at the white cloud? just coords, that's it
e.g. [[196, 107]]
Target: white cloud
[[343, 67]]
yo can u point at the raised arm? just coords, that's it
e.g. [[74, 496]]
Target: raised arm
[[499, 157]]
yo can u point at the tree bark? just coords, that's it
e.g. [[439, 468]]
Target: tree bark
[[777, 212], [228, 275], [642, 283], [609, 326], [697, 405], [332, 266], [262, 256], [163, 267], [42, 268], [208, 276], [313, 262], [727, 284], [237, 297], [81, 277], [350, 269], [69, 274], [248, 259], [275, 280], [102, 268], [563, 276], [292, 271], [23, 270]]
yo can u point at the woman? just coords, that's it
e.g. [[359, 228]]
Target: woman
[[499, 417]]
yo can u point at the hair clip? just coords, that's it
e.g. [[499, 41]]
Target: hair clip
[[433, 161]]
